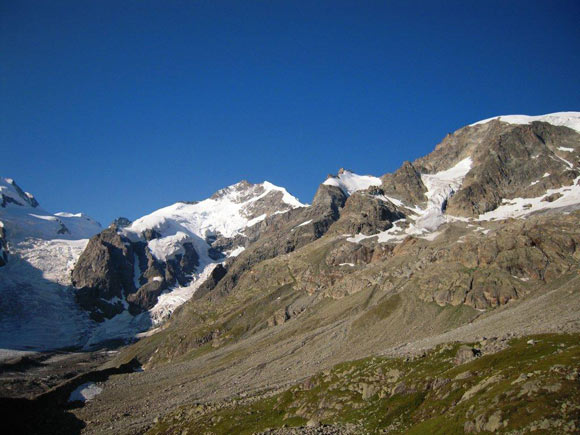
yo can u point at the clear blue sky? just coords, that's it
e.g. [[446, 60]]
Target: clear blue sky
[[121, 107]]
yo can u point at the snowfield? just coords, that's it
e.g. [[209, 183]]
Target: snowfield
[[226, 214], [441, 186], [37, 305], [566, 119], [38, 310], [519, 207]]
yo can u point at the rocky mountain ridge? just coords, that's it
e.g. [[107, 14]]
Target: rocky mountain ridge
[[427, 230], [135, 274], [477, 239], [126, 278]]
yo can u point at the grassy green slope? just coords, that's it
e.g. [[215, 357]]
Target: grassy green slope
[[524, 387]]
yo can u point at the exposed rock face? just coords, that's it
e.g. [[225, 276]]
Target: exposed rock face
[[3, 246], [270, 200], [121, 222], [329, 199], [366, 213], [167, 249], [465, 354], [510, 161], [405, 184], [211, 282], [355, 237], [114, 269], [281, 234], [103, 272], [299, 263]]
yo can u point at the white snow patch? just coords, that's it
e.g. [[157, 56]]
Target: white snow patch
[[566, 119], [256, 220], [347, 264], [123, 326], [357, 238], [394, 234], [85, 392], [22, 220], [349, 182], [126, 326], [168, 247], [515, 207], [566, 162], [395, 201], [237, 251], [533, 183], [547, 174], [304, 223], [566, 150]]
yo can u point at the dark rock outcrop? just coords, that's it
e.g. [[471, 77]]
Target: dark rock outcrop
[[3, 247], [281, 234], [405, 184], [104, 271], [366, 213], [121, 222], [510, 161], [211, 282], [113, 269]]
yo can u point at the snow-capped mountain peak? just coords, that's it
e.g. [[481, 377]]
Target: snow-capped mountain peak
[[226, 213], [23, 217], [349, 182], [12, 195], [186, 240]]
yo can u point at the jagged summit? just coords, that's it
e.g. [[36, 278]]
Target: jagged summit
[[244, 191], [226, 213], [12, 194], [511, 167], [121, 222], [478, 237], [349, 182], [23, 217], [156, 263]]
